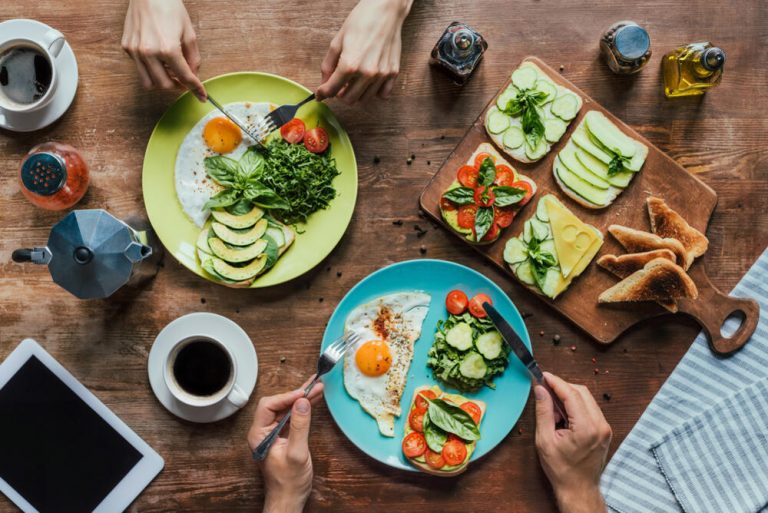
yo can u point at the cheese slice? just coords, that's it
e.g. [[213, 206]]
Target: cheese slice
[[583, 263], [574, 239]]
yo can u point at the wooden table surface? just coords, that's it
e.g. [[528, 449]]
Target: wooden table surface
[[720, 137]]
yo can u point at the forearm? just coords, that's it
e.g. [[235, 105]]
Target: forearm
[[581, 501]]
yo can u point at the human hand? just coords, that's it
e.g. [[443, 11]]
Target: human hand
[[287, 469], [159, 37], [364, 57], [572, 458]]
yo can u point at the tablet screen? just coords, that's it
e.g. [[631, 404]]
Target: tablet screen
[[56, 451]]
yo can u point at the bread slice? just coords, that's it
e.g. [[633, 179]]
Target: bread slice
[[667, 223], [659, 279], [624, 265], [636, 241]]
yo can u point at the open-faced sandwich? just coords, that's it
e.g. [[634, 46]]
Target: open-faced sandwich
[[598, 162], [485, 197], [554, 248], [531, 114], [442, 431]]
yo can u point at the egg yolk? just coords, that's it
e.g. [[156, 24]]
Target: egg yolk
[[221, 135], [373, 358]]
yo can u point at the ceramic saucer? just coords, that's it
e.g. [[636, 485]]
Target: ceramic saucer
[[205, 325], [66, 64]]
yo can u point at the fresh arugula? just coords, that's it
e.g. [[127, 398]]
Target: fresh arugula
[[525, 105], [617, 164], [483, 222]]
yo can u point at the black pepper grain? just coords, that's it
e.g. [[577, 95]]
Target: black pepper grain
[[202, 300], [376, 159], [423, 250], [338, 274], [607, 396], [398, 222], [556, 339]]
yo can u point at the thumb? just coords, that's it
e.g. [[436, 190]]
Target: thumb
[[298, 437], [545, 414]]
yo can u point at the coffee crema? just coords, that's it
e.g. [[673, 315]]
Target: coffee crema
[[25, 75], [202, 367]]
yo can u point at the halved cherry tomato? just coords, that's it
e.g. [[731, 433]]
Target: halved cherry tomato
[[474, 411], [476, 305], [316, 140], [522, 184], [505, 175], [481, 157], [492, 233], [447, 205], [435, 460], [293, 131], [504, 216], [490, 197], [466, 217], [454, 452], [421, 403], [456, 302], [414, 445], [467, 176], [416, 420]]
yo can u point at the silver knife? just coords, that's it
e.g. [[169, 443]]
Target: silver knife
[[236, 121], [525, 356]]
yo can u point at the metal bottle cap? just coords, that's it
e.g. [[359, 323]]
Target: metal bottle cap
[[632, 42], [713, 59], [44, 173]]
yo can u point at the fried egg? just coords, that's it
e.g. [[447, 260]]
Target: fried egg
[[375, 371], [214, 134]]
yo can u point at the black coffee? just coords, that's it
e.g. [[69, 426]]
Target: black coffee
[[25, 75], [202, 367]]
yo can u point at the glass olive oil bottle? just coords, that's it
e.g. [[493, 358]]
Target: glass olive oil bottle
[[692, 69]]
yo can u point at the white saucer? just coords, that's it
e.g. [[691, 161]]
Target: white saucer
[[66, 64], [213, 326]]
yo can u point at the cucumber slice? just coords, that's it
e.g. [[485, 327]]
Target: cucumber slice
[[277, 235], [568, 157], [541, 211], [524, 77], [540, 229], [566, 106], [553, 282], [508, 94], [460, 336], [497, 122], [543, 85], [524, 273], [554, 128], [539, 151], [636, 162], [548, 246], [582, 140], [527, 231], [513, 137], [515, 251], [600, 169], [473, 366], [598, 197], [490, 345], [609, 135]]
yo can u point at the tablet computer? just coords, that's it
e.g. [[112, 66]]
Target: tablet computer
[[61, 449]]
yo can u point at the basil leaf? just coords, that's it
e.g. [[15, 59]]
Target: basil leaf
[[452, 419], [251, 162], [262, 196], [616, 165], [434, 436], [539, 273], [486, 173], [241, 207], [224, 198], [483, 222], [506, 195], [272, 250], [460, 196], [222, 169]]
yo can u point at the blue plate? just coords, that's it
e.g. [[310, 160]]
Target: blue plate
[[437, 278]]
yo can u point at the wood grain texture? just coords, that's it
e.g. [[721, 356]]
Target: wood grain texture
[[720, 137]]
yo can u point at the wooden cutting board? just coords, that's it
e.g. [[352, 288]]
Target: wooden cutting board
[[660, 176]]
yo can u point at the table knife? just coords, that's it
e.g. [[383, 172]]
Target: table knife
[[518, 347], [236, 121]]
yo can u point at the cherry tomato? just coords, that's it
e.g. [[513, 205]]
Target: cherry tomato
[[414, 445], [522, 184], [293, 131], [474, 411], [467, 176], [505, 175], [492, 233], [466, 217], [504, 216], [447, 205], [454, 452], [456, 302], [490, 197], [421, 403], [476, 305], [416, 420], [481, 157], [435, 460], [316, 140]]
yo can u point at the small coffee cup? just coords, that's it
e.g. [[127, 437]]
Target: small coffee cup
[[200, 371], [47, 48]]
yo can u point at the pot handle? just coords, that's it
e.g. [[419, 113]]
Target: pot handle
[[34, 255]]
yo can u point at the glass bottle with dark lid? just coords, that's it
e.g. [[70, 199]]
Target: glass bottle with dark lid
[[53, 176], [459, 51], [626, 47]]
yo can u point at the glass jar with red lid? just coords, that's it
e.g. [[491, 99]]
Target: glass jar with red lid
[[53, 176]]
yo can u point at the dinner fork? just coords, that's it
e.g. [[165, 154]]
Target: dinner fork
[[328, 359], [256, 135], [281, 116]]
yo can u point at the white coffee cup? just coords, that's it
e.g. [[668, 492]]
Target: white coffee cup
[[230, 392], [49, 46]]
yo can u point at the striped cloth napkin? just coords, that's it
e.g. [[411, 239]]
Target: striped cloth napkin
[[665, 460]]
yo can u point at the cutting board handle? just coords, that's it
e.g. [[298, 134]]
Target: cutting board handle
[[712, 308]]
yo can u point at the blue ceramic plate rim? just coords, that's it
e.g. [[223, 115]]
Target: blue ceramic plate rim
[[514, 382]]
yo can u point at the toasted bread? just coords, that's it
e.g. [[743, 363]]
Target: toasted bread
[[658, 280], [624, 265], [636, 241], [667, 223]]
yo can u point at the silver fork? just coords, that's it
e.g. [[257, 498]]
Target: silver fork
[[328, 359], [258, 135], [281, 116]]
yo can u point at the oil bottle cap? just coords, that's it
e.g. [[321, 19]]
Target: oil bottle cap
[[44, 173], [713, 59], [632, 42]]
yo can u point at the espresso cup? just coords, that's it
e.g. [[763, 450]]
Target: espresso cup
[[48, 46], [201, 371]]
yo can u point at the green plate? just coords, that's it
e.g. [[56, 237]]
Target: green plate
[[178, 233]]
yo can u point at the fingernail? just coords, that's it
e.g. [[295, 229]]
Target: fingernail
[[540, 393], [302, 406]]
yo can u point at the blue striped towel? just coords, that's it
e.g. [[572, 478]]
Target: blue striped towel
[[707, 389]]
